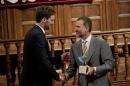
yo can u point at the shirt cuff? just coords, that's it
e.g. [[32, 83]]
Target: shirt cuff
[[66, 76], [94, 70]]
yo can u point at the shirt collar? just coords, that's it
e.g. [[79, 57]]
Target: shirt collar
[[41, 28], [87, 39]]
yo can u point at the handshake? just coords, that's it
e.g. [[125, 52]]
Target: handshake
[[61, 76]]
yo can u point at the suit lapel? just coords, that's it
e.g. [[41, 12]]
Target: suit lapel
[[44, 37], [91, 49], [79, 48], [36, 26]]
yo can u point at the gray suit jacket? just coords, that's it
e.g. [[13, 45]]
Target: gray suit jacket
[[99, 56]]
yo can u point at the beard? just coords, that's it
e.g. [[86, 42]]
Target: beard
[[79, 34], [46, 27]]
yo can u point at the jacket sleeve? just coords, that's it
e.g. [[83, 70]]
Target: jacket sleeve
[[72, 68], [44, 62], [107, 61]]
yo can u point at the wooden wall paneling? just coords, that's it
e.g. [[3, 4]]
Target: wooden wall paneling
[[123, 14], [124, 4], [65, 14], [60, 19], [120, 15], [14, 24], [18, 24], [68, 28], [55, 30], [93, 11], [51, 30], [28, 14], [96, 11], [4, 24], [10, 20], [1, 26], [96, 23], [85, 10], [114, 15], [124, 22], [108, 15], [103, 15], [76, 10], [25, 29], [28, 19]]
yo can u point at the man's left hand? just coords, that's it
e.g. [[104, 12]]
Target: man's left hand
[[90, 70]]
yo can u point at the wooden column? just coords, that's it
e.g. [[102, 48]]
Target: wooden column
[[127, 57], [52, 42], [64, 62], [63, 45], [116, 56], [63, 51], [105, 37], [8, 74], [73, 40], [19, 59]]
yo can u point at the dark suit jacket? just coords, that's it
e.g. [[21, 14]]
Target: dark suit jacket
[[99, 56], [36, 64]]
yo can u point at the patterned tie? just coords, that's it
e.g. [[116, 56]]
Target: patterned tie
[[84, 48]]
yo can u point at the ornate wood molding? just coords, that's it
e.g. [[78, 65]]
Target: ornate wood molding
[[31, 3]]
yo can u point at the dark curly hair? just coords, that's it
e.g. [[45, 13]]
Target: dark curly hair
[[44, 12]]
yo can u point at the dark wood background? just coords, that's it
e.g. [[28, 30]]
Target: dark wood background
[[27, 3], [106, 15]]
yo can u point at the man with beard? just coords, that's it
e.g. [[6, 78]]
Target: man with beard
[[90, 55], [37, 68]]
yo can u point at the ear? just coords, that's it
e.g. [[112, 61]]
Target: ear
[[87, 28], [44, 20]]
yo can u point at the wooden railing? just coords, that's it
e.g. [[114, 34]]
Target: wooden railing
[[118, 40]]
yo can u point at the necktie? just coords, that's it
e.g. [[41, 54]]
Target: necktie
[[84, 48]]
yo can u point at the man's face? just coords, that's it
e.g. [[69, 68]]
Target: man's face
[[80, 29], [50, 20]]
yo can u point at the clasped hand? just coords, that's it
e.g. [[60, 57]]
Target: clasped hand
[[61, 76], [90, 70]]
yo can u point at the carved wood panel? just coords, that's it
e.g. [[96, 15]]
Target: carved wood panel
[[105, 15]]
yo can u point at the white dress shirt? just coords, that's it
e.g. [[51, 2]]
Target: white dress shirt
[[88, 39]]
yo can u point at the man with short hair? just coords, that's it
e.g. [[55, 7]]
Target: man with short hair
[[90, 55], [37, 68]]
